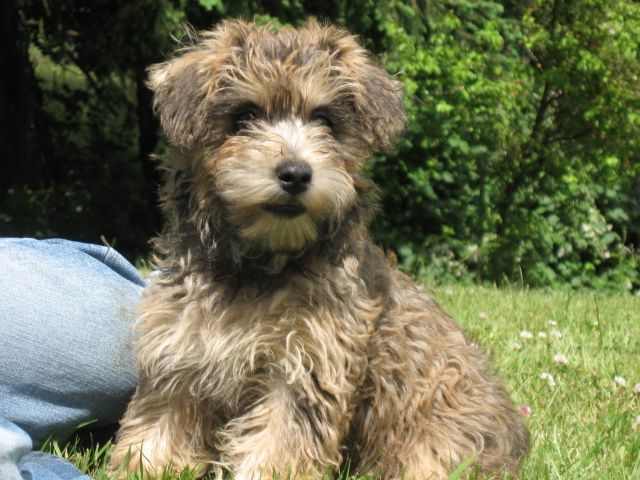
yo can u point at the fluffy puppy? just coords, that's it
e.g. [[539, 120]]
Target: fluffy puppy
[[276, 338]]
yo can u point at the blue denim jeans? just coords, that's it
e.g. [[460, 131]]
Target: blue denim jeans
[[67, 312]]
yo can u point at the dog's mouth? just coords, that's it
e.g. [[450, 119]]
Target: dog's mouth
[[284, 209]]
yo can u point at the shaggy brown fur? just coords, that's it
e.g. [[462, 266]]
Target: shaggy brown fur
[[276, 337]]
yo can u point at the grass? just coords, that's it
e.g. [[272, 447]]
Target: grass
[[583, 427]]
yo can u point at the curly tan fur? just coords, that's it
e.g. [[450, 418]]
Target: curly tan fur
[[288, 343]]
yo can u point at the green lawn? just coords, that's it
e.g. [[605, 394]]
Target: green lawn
[[584, 424]]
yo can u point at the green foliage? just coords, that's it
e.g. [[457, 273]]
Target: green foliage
[[519, 162]]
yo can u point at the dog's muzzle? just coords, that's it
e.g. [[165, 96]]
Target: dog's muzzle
[[294, 179]]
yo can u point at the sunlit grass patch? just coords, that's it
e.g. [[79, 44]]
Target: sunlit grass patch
[[585, 424], [560, 353]]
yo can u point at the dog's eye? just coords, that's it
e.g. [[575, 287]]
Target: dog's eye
[[243, 116], [322, 119], [246, 116]]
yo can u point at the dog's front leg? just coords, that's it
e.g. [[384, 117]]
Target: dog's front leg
[[286, 433], [160, 434]]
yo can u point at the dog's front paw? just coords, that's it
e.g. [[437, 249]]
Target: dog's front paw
[[152, 458], [265, 472], [137, 458]]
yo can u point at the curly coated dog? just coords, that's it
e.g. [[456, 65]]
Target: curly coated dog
[[276, 337]]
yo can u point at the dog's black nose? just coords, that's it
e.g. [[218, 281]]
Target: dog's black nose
[[294, 177]]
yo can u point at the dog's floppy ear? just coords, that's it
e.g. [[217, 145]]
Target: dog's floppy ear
[[380, 102], [179, 93], [185, 86], [378, 98]]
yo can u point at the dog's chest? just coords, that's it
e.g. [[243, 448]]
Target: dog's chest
[[307, 330]]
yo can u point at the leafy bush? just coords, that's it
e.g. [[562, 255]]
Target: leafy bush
[[520, 159], [519, 163]]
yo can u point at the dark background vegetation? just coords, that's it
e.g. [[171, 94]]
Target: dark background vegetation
[[519, 164]]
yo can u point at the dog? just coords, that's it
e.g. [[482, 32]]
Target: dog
[[276, 337]]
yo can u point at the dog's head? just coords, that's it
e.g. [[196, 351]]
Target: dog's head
[[273, 126]]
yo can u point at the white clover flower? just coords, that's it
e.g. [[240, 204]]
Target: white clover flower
[[517, 346], [620, 381], [560, 358], [542, 335], [636, 388], [483, 315], [526, 334], [553, 323], [549, 378]]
